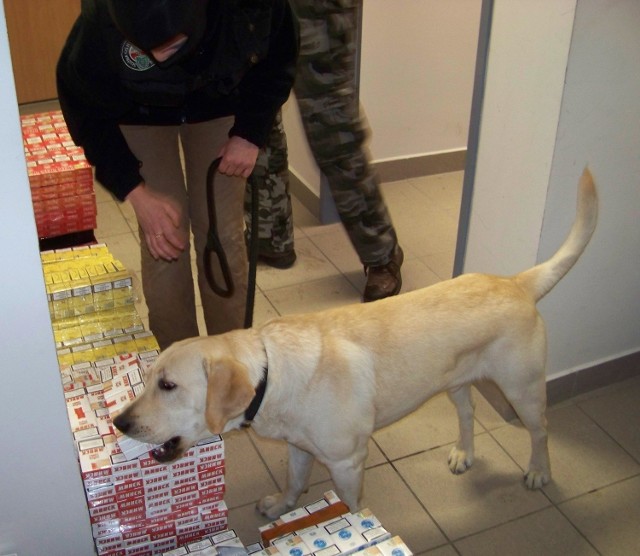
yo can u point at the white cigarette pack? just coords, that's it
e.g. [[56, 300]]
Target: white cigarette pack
[[225, 543], [393, 546], [292, 544], [317, 538]]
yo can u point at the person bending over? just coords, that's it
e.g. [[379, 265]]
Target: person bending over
[[154, 90]]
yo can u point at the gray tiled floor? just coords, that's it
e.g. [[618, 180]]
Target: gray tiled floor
[[591, 507]]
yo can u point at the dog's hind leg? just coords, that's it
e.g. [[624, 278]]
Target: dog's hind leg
[[299, 469], [461, 455], [529, 402]]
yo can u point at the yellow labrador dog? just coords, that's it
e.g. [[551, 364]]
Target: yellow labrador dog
[[324, 382]]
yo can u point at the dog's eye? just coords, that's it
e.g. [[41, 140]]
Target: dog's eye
[[166, 384]]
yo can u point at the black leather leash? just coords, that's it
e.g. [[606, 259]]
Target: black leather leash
[[214, 248]]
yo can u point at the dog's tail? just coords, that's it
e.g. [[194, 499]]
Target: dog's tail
[[539, 280]]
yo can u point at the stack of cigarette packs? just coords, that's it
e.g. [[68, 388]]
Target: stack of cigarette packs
[[91, 302], [85, 279], [327, 528], [60, 177], [137, 505]]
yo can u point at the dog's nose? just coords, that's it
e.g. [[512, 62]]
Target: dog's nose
[[122, 423]]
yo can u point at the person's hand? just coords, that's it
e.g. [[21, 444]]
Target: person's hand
[[238, 157], [159, 217]]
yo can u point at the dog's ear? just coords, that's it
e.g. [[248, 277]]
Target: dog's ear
[[229, 391]]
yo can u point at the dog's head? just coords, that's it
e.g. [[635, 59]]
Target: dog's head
[[193, 390]]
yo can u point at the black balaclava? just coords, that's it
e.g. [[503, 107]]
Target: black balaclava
[[151, 23]]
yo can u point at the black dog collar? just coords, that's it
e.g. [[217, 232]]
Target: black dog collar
[[254, 406]]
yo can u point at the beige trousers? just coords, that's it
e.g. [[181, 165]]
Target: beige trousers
[[169, 286]]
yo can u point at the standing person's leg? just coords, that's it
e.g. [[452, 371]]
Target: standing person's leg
[[275, 217], [167, 285], [324, 88], [201, 144]]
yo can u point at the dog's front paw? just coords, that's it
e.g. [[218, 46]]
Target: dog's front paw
[[273, 506], [459, 460], [535, 479]]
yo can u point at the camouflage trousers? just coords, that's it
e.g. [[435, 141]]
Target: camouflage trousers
[[335, 130], [271, 177], [325, 90]]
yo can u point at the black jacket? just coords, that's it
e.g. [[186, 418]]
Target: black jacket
[[244, 67]]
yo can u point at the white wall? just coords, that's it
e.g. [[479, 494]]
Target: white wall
[[527, 60], [416, 81], [42, 505], [536, 136], [595, 312]]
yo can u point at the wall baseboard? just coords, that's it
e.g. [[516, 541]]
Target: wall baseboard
[[388, 171], [568, 386], [303, 193], [419, 166]]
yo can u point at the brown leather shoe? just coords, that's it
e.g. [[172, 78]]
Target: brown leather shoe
[[281, 261], [384, 280]]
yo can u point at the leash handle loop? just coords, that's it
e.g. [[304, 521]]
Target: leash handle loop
[[214, 246]]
